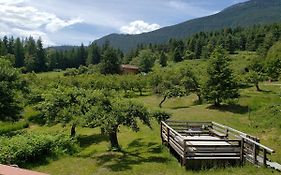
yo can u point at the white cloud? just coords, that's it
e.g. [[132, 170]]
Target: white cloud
[[21, 20], [57, 24], [35, 34], [139, 26]]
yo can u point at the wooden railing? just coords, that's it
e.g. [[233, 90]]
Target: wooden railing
[[240, 145]]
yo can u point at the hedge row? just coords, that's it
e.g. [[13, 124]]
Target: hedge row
[[28, 148], [9, 127]]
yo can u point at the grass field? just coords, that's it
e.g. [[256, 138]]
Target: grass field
[[143, 153]]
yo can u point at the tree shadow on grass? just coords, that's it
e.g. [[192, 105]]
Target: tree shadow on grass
[[87, 140], [234, 108], [125, 160], [179, 107]]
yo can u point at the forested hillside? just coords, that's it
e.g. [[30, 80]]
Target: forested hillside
[[30, 55], [245, 14]]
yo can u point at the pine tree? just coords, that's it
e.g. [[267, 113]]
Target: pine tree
[[163, 59], [40, 57], [94, 55], [220, 85], [177, 56], [110, 63], [19, 53]]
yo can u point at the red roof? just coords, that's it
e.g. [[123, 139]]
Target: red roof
[[8, 170]]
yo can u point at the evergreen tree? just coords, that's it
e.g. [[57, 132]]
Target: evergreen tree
[[220, 85], [10, 85], [19, 53], [110, 63], [82, 56], [30, 55], [40, 57], [177, 56], [10, 46], [94, 55], [163, 59]]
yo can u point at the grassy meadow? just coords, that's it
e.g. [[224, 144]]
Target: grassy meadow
[[142, 152]]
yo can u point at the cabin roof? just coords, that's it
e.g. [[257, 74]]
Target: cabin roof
[[127, 66]]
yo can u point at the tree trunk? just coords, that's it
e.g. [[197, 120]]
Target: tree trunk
[[113, 140], [160, 105], [140, 90], [73, 130], [217, 103], [199, 98], [257, 86]]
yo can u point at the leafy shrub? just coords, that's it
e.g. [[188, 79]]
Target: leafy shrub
[[160, 116], [9, 127], [27, 148]]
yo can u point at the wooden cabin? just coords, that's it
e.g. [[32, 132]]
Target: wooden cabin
[[210, 141], [9, 170], [129, 69]]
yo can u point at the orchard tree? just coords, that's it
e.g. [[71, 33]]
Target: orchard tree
[[190, 82], [221, 84], [167, 84], [10, 87], [68, 105], [113, 113], [255, 77], [273, 61]]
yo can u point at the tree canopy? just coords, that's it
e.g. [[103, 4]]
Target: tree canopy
[[221, 84], [11, 85]]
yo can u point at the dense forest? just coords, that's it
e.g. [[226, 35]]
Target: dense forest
[[29, 55]]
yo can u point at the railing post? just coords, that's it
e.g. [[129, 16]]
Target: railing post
[[161, 132], [242, 151], [255, 153], [264, 157], [184, 153], [227, 133], [168, 132]]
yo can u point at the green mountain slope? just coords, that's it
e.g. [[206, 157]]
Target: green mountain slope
[[243, 14]]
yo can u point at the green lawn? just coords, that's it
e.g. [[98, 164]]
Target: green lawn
[[143, 153]]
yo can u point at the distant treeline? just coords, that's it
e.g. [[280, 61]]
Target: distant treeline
[[256, 38], [29, 54]]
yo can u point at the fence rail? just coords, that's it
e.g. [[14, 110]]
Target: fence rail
[[230, 144]]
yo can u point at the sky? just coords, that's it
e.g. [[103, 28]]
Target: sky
[[72, 22]]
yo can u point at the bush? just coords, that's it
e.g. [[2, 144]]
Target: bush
[[6, 128], [28, 148]]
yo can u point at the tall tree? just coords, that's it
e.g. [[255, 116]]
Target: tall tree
[[110, 63], [116, 112], [94, 55], [10, 85], [163, 59], [220, 85], [146, 60], [40, 57], [19, 53]]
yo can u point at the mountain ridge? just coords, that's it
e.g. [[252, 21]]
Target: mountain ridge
[[244, 14]]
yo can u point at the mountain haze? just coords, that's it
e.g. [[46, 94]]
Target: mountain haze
[[243, 14]]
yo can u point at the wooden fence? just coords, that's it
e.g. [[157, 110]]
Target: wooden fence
[[230, 145]]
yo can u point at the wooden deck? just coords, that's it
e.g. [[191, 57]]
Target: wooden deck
[[213, 141]]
